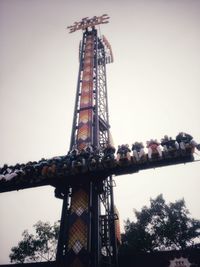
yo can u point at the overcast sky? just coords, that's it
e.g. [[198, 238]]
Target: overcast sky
[[153, 89]]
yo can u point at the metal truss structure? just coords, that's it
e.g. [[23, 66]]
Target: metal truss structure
[[87, 235]]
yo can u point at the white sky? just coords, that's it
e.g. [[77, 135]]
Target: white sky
[[153, 89]]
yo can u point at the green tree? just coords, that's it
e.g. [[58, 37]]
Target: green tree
[[38, 247], [161, 227]]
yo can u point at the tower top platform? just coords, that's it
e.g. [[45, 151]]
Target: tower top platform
[[88, 22]]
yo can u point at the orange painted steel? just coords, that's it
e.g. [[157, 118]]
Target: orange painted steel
[[78, 232]]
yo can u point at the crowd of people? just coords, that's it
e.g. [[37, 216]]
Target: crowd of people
[[90, 157]]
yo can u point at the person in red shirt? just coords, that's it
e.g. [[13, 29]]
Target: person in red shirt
[[154, 147]]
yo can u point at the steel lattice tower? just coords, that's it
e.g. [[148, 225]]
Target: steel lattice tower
[[87, 233]]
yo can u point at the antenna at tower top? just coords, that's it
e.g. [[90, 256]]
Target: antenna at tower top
[[88, 22]]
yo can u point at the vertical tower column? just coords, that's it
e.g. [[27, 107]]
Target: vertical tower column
[[80, 242], [83, 134]]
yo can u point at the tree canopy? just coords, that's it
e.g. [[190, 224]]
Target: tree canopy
[[38, 247], [161, 226]]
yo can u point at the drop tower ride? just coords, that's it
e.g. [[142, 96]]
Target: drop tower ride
[[87, 233], [88, 230]]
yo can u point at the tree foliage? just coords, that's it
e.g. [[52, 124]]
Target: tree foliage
[[161, 227], [38, 247]]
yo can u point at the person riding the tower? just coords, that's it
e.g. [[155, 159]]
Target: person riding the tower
[[168, 143], [73, 153], [185, 140], [123, 152], [89, 149], [108, 151], [73, 156], [83, 156], [138, 150], [153, 148]]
